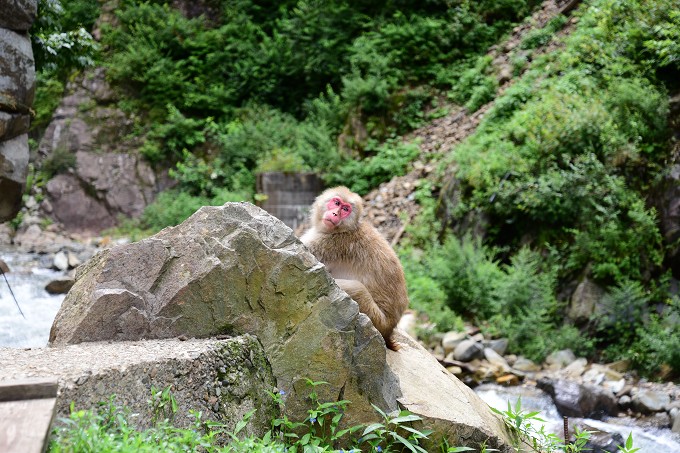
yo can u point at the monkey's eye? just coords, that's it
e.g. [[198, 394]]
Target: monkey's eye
[[336, 202], [345, 208]]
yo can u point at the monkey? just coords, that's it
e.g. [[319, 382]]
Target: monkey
[[358, 257]]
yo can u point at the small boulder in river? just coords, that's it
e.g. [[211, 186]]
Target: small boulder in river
[[60, 285], [576, 400], [468, 350], [649, 401]]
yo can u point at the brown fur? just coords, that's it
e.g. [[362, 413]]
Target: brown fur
[[361, 261]]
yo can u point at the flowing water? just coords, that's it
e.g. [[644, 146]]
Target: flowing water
[[647, 440], [27, 279]]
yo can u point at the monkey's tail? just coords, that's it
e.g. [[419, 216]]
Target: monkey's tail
[[392, 344]]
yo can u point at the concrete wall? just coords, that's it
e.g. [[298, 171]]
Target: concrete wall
[[289, 195], [17, 89]]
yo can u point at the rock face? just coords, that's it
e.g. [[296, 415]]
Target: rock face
[[237, 270], [17, 89], [107, 178], [223, 379]]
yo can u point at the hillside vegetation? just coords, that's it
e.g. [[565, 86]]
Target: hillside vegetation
[[559, 182]]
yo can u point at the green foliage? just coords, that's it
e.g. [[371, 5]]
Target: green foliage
[[394, 433], [59, 161], [391, 159], [541, 36], [60, 38], [163, 405], [171, 208], [666, 43], [564, 161], [107, 429], [523, 426], [468, 275], [476, 85], [48, 93]]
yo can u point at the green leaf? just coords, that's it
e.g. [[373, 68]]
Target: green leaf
[[372, 427], [405, 418]]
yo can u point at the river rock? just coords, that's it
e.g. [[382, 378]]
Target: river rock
[[60, 261], [576, 400], [6, 233], [676, 424], [468, 350], [496, 360], [601, 441], [559, 359], [525, 365], [657, 420], [107, 179], [18, 15], [584, 301], [575, 368], [500, 345], [13, 169], [451, 340], [649, 401], [447, 405], [60, 285], [4, 268]]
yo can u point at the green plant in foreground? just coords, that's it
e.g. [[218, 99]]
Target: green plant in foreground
[[387, 433], [163, 405]]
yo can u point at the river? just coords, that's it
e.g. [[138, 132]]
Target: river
[[27, 279], [29, 273], [648, 440]]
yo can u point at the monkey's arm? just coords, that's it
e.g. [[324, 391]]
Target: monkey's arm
[[367, 305]]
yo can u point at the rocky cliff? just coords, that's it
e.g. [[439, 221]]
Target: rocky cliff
[[17, 88]]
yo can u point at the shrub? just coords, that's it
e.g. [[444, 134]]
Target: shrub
[[541, 36], [173, 207], [467, 274], [476, 85], [391, 160]]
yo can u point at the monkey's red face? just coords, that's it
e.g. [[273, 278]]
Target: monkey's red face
[[336, 211]]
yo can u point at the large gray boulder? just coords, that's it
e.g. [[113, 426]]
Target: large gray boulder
[[18, 14], [17, 89], [13, 170], [224, 379], [447, 406], [237, 270]]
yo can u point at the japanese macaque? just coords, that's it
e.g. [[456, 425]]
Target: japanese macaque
[[359, 258]]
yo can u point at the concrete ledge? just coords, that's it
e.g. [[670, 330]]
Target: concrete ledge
[[222, 378]]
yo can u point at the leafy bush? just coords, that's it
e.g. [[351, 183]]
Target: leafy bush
[[171, 208], [108, 430], [657, 345], [476, 86], [391, 159], [541, 36]]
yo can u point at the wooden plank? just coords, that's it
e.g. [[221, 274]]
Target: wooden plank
[[25, 425], [28, 389]]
